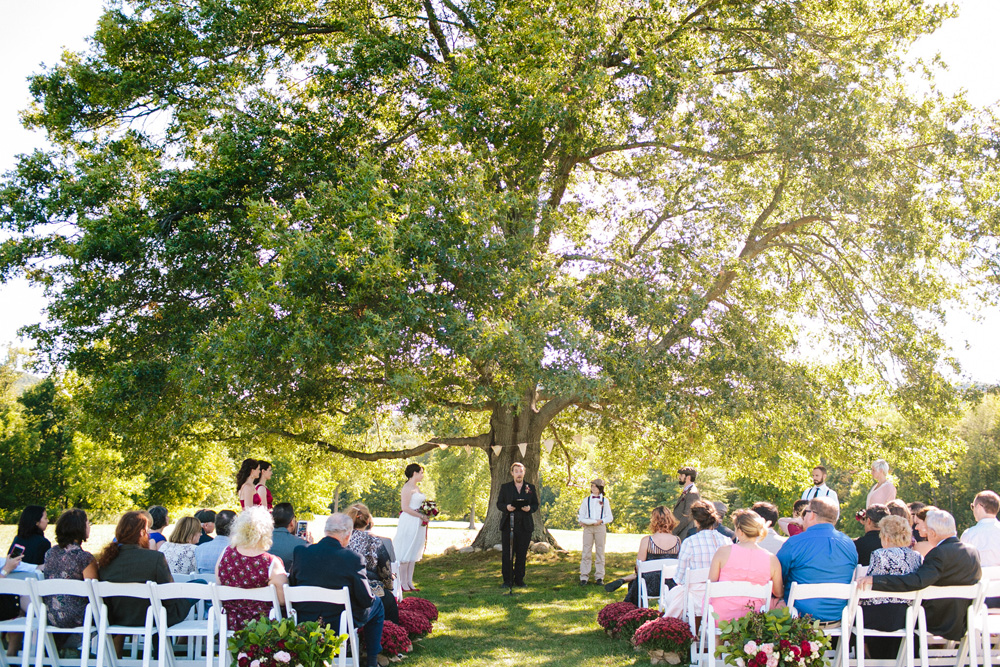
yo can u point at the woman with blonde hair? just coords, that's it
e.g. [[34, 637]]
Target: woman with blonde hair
[[179, 549], [884, 490], [745, 561], [246, 564], [659, 544]]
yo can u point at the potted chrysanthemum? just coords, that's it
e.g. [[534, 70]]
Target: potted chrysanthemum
[[667, 640]]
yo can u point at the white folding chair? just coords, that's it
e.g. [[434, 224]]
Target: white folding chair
[[196, 626], [45, 645], [328, 596], [717, 589], [860, 571], [105, 630], [990, 573], [988, 620], [665, 567], [397, 585], [965, 646], [906, 632], [841, 628], [20, 586], [694, 596], [222, 594]]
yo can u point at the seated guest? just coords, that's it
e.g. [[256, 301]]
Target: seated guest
[[207, 555], [161, 518], [870, 541], [898, 508], [129, 560], [31, 538], [895, 557], [696, 553], [821, 554], [948, 563], [375, 557], [179, 549], [720, 509], [915, 507], [330, 564], [744, 561], [985, 534], [661, 543], [68, 560], [246, 564], [923, 546], [285, 540], [207, 518], [793, 525], [769, 513]]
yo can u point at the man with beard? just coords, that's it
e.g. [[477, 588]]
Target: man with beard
[[517, 501]]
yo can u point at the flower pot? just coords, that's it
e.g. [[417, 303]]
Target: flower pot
[[659, 657]]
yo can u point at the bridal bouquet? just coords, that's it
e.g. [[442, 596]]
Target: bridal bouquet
[[429, 508]]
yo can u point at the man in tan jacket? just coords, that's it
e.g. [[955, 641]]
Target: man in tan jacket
[[689, 496]]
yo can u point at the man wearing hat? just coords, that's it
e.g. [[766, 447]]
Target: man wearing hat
[[207, 518], [594, 515]]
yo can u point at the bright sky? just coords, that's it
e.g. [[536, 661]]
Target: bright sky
[[37, 32]]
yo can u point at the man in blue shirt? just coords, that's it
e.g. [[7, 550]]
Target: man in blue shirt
[[207, 555], [819, 555]]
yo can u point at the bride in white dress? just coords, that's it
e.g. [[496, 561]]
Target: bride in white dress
[[412, 529]]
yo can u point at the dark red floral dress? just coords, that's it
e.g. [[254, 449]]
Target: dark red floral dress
[[241, 571]]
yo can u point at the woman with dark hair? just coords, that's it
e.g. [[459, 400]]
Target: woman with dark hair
[[246, 483], [262, 494], [375, 557], [68, 560], [161, 518], [922, 546], [411, 531], [129, 560], [661, 543], [697, 552], [30, 540]]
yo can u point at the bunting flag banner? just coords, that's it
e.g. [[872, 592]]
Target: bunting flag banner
[[468, 449], [442, 445], [497, 449], [548, 445], [578, 439], [522, 447]]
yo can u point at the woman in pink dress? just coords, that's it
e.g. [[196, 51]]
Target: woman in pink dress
[[745, 561], [246, 564]]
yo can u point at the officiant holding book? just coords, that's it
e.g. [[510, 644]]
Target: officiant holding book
[[594, 516], [518, 500]]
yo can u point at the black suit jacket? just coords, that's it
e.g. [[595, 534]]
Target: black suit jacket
[[136, 565], [950, 563], [865, 545], [682, 512], [329, 565], [509, 495]]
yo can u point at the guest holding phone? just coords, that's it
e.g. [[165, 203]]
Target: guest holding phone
[[31, 534], [285, 538]]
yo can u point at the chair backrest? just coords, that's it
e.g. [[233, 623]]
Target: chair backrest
[[875, 595], [111, 589], [181, 590], [263, 594], [43, 588], [339, 596], [991, 572], [949, 592], [860, 571], [11, 586], [830, 591]]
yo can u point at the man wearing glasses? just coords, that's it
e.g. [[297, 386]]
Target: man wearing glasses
[[820, 554]]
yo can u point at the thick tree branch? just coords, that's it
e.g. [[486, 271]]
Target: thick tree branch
[[479, 441], [435, 27], [677, 148]]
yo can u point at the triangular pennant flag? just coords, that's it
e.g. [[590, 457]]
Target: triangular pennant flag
[[468, 449], [442, 445], [548, 445], [497, 449], [522, 447], [578, 439]]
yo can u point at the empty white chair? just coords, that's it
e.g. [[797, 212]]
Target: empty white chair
[[196, 626], [709, 624], [11, 585], [840, 628], [105, 630], [861, 632], [666, 568], [45, 645], [330, 596], [965, 646]]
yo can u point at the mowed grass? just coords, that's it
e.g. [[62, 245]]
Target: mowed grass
[[551, 622]]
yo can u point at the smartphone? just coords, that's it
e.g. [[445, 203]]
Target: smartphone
[[16, 550], [300, 529]]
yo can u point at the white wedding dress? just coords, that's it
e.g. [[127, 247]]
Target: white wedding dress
[[410, 534]]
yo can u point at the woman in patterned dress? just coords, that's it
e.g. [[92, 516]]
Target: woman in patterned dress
[[68, 560], [895, 557], [375, 557], [246, 564], [179, 549]]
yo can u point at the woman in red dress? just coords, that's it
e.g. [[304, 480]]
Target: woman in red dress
[[246, 564]]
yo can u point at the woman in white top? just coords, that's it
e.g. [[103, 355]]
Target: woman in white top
[[179, 549], [883, 491], [594, 515], [411, 532]]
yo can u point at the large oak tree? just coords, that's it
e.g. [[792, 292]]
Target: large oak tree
[[292, 216]]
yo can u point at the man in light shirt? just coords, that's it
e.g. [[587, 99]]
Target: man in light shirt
[[819, 488], [985, 535], [769, 513]]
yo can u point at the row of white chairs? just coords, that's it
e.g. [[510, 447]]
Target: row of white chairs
[[206, 622], [983, 625]]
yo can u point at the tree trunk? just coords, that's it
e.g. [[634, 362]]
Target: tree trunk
[[510, 426], [472, 515]]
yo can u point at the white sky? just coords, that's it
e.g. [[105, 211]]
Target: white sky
[[38, 31]]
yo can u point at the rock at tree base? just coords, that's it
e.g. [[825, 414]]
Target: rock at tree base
[[540, 548]]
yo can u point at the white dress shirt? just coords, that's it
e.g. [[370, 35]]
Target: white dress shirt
[[821, 491], [985, 536], [772, 541], [595, 508]]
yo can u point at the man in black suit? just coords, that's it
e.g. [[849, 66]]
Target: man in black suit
[[948, 563], [871, 540], [330, 564], [516, 499], [689, 496]]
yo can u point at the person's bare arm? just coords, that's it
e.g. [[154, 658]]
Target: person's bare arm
[[777, 585]]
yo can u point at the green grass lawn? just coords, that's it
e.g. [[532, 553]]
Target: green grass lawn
[[553, 621]]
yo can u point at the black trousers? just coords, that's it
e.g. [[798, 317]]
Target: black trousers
[[513, 569]]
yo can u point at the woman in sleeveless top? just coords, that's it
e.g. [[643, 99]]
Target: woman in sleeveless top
[[246, 483], [659, 544], [262, 494], [745, 561]]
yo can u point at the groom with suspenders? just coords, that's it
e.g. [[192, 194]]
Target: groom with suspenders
[[819, 488]]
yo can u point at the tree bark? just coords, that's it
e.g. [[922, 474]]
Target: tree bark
[[510, 426]]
